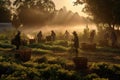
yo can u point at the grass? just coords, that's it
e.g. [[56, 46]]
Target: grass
[[3, 37], [59, 43], [49, 47], [6, 45], [108, 49], [41, 51]]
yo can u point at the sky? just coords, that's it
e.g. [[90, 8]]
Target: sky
[[69, 5]]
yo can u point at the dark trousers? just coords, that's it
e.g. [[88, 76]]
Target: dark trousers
[[76, 52]]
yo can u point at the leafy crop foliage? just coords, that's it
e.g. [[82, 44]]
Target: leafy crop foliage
[[46, 66], [49, 47], [53, 68], [34, 70]]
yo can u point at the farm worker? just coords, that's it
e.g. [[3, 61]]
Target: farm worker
[[67, 35], [86, 34], [106, 37], [53, 35], [39, 36], [17, 40], [76, 42], [113, 38], [92, 35]]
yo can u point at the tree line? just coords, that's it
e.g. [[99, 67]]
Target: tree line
[[33, 12], [106, 12], [26, 12]]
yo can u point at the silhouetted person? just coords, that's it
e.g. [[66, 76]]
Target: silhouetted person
[[113, 38], [106, 35], [17, 40], [86, 34], [106, 38], [92, 35], [53, 35], [67, 35], [39, 36], [76, 42]]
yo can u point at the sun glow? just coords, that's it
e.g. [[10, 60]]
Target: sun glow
[[30, 36], [69, 4]]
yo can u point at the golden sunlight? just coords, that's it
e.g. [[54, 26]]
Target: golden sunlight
[[69, 4], [30, 36]]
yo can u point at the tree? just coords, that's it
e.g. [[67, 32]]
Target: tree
[[5, 13], [33, 12], [102, 11]]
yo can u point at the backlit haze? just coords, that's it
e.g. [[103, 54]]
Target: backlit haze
[[69, 4]]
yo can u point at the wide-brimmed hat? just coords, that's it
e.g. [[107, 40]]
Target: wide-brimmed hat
[[74, 32]]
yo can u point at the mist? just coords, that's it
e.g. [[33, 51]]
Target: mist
[[62, 20], [57, 28]]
